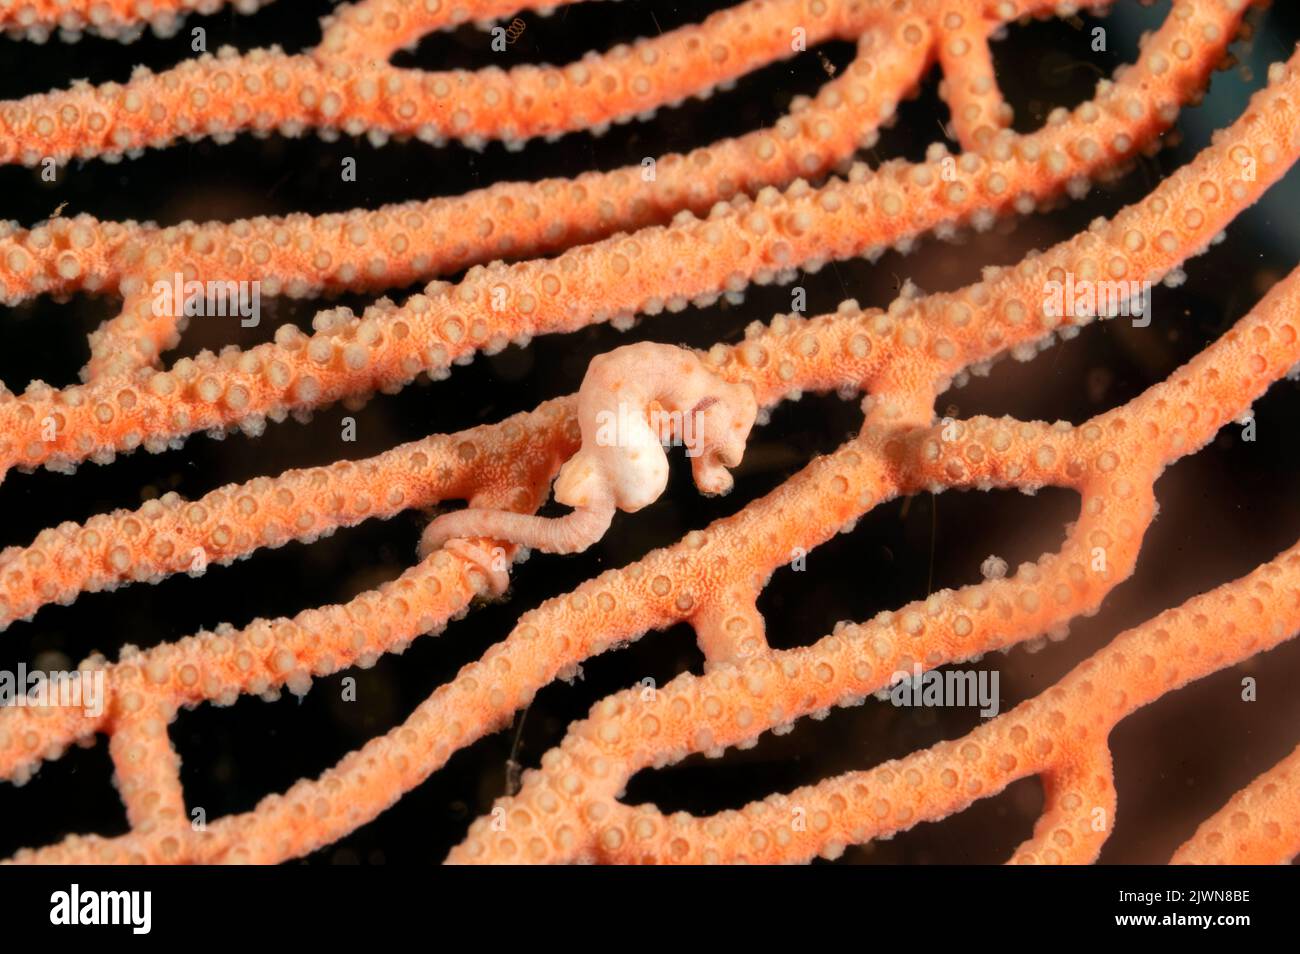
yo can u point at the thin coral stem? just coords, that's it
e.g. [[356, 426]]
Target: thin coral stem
[[970, 89], [371, 31], [146, 766], [35, 19], [1260, 825], [61, 256]]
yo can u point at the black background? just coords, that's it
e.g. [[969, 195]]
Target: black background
[[1223, 512]]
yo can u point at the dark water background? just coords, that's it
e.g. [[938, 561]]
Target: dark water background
[[1223, 511]]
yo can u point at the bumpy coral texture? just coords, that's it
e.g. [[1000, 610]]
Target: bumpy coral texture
[[705, 225]]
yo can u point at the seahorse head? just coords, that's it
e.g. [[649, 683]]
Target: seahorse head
[[722, 423]]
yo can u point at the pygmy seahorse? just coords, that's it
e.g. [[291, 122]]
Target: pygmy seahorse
[[633, 400]]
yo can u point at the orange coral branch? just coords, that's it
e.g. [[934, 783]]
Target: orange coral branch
[[969, 88], [121, 19], [1259, 825]]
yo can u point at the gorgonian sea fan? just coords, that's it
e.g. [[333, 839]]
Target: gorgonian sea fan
[[691, 233]]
